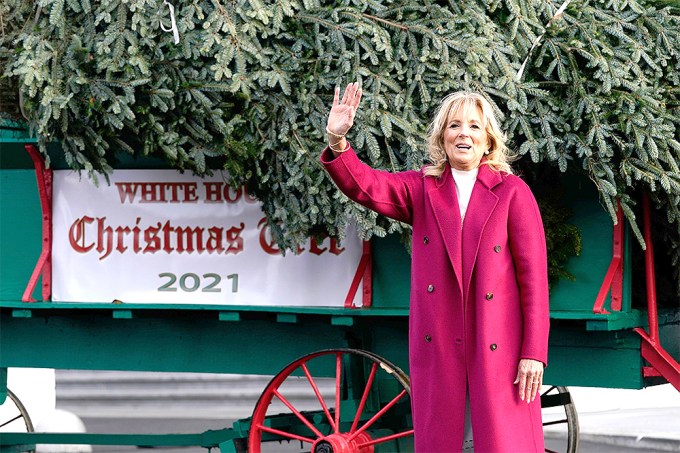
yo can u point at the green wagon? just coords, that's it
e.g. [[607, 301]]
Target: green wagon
[[353, 360]]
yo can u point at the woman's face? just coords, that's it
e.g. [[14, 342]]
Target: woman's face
[[465, 139]]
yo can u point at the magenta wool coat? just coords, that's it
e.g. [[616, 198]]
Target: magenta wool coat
[[479, 300]]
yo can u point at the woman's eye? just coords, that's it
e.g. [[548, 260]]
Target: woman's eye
[[474, 126]]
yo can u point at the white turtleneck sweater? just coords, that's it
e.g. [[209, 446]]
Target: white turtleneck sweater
[[465, 181]]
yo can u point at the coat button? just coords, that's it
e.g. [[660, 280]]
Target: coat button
[[428, 338], [458, 341], [493, 346], [430, 288], [426, 240], [489, 296], [497, 249]]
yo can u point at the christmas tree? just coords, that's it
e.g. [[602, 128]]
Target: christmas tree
[[587, 85]]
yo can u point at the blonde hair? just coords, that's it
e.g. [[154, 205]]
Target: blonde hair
[[498, 158]]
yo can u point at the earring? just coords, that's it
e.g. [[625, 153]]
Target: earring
[[486, 152]]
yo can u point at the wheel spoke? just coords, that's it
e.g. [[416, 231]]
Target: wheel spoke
[[353, 369], [319, 397], [297, 413], [364, 397], [547, 450], [556, 422], [549, 390], [10, 421], [378, 415], [338, 381], [284, 434], [380, 440]]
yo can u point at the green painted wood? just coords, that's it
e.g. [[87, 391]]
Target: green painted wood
[[95, 340], [122, 314], [22, 313], [13, 155], [610, 321], [187, 338], [391, 273], [594, 359], [13, 132], [3, 385], [290, 318], [342, 320], [590, 267], [208, 439], [229, 316], [63, 308], [20, 232]]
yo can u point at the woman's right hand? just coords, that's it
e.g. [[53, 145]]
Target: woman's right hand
[[341, 116]]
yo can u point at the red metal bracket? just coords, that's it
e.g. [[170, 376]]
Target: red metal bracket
[[613, 279], [662, 363], [44, 265], [364, 272]]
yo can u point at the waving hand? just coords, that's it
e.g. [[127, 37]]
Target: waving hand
[[341, 116]]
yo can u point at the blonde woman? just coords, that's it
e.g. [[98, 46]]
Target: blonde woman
[[479, 317]]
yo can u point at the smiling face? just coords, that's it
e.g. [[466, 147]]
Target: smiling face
[[465, 138]]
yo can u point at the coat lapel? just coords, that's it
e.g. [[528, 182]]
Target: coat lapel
[[444, 202], [482, 204]]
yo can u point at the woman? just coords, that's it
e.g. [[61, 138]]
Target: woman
[[479, 317]]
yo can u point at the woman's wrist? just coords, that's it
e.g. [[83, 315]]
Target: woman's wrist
[[335, 135], [337, 142], [338, 147]]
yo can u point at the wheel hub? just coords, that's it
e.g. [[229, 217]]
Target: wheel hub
[[340, 443]]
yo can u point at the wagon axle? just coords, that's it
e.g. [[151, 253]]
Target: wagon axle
[[343, 443]]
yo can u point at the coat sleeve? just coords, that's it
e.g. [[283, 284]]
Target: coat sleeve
[[389, 194], [528, 248]]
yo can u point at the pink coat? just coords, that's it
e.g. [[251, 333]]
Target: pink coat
[[479, 303]]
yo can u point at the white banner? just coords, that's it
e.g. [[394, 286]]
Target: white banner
[[158, 236]]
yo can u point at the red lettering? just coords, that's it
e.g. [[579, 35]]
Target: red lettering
[[120, 238], [76, 235], [249, 198], [213, 192], [219, 192], [153, 242], [158, 192], [151, 239], [314, 247], [149, 192], [227, 192], [234, 239], [335, 249], [191, 236], [266, 242], [214, 243], [135, 236], [190, 192], [167, 229], [104, 238], [126, 191]]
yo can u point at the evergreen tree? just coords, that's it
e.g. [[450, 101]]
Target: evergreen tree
[[594, 87]]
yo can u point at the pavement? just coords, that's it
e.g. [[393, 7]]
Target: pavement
[[610, 420], [644, 419]]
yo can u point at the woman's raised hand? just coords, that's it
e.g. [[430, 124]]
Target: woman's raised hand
[[341, 116]]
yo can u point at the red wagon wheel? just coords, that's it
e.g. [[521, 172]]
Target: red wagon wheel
[[368, 396], [14, 416]]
